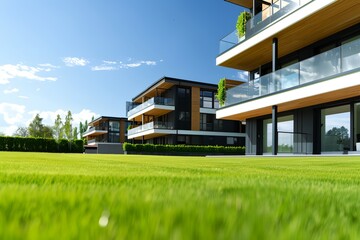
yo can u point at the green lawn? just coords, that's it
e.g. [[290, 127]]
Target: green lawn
[[78, 196]]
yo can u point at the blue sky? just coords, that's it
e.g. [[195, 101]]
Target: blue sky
[[91, 56]]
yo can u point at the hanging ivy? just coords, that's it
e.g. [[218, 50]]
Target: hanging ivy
[[243, 18], [221, 92]]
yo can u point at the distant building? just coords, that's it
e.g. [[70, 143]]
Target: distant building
[[303, 93], [177, 111], [106, 135]]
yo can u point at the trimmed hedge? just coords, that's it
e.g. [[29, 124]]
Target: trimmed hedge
[[21, 144], [183, 149]]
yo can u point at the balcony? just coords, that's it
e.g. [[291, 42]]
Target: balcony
[[151, 130], [155, 106], [310, 23], [267, 16], [95, 131], [300, 84]]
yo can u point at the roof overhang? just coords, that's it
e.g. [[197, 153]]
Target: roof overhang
[[243, 3], [309, 24], [166, 83]]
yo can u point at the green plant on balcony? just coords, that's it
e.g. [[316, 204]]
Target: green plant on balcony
[[243, 18], [221, 92]]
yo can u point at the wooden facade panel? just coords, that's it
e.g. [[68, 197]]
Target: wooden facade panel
[[195, 109]]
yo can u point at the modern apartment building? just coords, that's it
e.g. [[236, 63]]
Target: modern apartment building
[[303, 93], [106, 135], [177, 111]]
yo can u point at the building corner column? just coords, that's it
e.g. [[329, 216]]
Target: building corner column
[[275, 139]]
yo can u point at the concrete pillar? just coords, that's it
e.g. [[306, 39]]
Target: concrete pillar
[[275, 56], [274, 130]]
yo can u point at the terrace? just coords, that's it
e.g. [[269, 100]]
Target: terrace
[[155, 106]]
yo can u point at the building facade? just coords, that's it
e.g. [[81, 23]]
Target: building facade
[[303, 93], [177, 111], [106, 135]]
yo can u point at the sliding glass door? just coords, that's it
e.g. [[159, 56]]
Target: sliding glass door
[[335, 129], [357, 126]]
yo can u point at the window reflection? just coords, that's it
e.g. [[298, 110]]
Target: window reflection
[[335, 129]]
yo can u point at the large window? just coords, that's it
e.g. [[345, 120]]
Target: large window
[[285, 135], [114, 126], [114, 137], [357, 126], [206, 99], [206, 122], [183, 108], [335, 129]]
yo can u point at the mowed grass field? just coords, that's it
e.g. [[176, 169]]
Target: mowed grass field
[[78, 196]]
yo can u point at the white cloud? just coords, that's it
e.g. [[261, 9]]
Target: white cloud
[[110, 62], [13, 90], [137, 64], [9, 71], [12, 113], [24, 97], [243, 75], [50, 116], [38, 89], [48, 65], [103, 68], [14, 116], [112, 65], [75, 61], [8, 130]]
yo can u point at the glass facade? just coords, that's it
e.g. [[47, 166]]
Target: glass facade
[[326, 64], [183, 108], [285, 135], [357, 126], [335, 129], [208, 99]]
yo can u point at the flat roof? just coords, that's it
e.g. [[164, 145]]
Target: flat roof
[[168, 82], [107, 118]]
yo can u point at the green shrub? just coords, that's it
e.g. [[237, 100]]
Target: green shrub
[[243, 18], [151, 148], [21, 144]]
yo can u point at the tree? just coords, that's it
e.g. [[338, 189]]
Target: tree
[[341, 134], [68, 131], [75, 133], [47, 132], [21, 132], [83, 127], [36, 126], [58, 128], [37, 129]]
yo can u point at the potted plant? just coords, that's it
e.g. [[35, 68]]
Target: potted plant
[[243, 18], [221, 92]]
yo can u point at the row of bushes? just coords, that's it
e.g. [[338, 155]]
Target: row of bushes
[[21, 144], [182, 149]]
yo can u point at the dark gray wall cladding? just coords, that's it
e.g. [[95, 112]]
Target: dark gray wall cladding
[[251, 136], [110, 148], [304, 122]]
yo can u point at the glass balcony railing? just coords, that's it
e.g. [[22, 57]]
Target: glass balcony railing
[[97, 128], [150, 102], [151, 125], [335, 61], [261, 20]]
